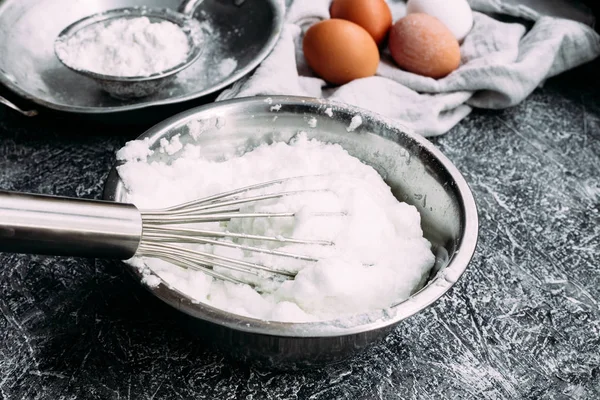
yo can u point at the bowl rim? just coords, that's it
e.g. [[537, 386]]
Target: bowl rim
[[419, 301], [187, 24]]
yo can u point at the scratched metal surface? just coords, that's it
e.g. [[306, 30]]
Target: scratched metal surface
[[523, 323]]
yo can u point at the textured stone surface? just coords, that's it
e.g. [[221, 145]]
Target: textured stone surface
[[524, 322]]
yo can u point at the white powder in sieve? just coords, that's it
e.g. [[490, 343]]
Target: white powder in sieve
[[380, 256], [126, 47]]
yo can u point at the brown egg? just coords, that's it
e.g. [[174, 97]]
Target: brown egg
[[373, 15], [340, 51], [421, 44]]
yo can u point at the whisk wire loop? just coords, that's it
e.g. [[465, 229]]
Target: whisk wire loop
[[163, 237]]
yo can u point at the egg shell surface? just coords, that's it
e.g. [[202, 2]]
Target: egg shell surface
[[373, 15], [421, 44], [455, 14], [340, 51]]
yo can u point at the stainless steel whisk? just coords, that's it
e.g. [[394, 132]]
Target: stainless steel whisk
[[50, 225]]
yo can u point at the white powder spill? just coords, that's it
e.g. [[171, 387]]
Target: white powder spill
[[227, 66], [329, 112], [354, 123], [312, 122], [126, 47], [268, 100], [379, 258], [216, 62]]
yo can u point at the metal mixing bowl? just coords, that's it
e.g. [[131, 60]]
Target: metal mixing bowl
[[416, 171], [129, 87]]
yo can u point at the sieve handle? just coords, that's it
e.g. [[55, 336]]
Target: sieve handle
[[50, 225]]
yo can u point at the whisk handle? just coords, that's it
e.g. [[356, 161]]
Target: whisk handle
[[50, 225]]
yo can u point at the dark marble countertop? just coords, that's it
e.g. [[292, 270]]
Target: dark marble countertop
[[523, 323]]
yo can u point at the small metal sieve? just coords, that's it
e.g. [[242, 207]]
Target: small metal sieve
[[129, 87]]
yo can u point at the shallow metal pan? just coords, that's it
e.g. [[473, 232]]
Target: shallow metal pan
[[244, 31]]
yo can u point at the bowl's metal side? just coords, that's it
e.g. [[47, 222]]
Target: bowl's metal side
[[280, 352], [133, 90], [29, 67], [415, 170], [265, 351]]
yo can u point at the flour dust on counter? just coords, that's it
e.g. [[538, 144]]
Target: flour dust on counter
[[378, 254]]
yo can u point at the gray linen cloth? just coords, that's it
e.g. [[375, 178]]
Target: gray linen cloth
[[501, 64]]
